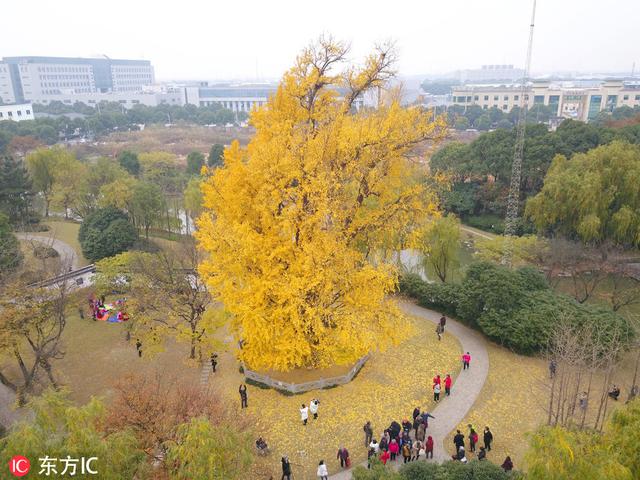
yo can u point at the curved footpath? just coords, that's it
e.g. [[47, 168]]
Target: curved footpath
[[66, 251], [466, 388]]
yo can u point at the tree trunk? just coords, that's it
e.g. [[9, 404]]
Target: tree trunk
[[47, 368]]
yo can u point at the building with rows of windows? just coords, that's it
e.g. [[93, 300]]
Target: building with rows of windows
[[45, 79], [16, 112], [579, 103]]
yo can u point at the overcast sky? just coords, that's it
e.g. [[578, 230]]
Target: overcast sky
[[209, 39]]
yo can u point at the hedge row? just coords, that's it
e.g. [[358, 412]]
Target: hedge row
[[515, 308]]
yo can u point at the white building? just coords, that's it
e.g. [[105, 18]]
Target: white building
[[46, 79], [16, 112], [567, 100]]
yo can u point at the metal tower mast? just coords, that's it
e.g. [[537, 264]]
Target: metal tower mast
[[513, 201]]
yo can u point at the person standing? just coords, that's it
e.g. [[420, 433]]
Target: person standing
[[368, 433], [139, 347], [286, 468], [448, 381], [488, 438], [439, 332], [384, 457], [406, 452], [375, 446], [466, 361], [343, 456], [243, 395], [507, 465], [313, 408], [436, 392], [428, 448], [214, 362], [420, 432], [416, 412], [443, 322], [304, 414], [437, 380], [473, 439], [415, 450], [394, 448], [322, 473], [553, 367], [458, 440]]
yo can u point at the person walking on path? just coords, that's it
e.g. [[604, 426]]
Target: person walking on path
[[394, 448], [428, 447], [420, 432], [368, 433], [304, 414], [466, 360], [286, 468], [448, 381], [214, 362], [473, 439], [425, 419], [243, 395], [416, 412], [507, 465], [139, 347], [442, 323], [322, 473], [458, 440], [439, 332], [313, 408], [436, 392], [488, 438], [343, 456]]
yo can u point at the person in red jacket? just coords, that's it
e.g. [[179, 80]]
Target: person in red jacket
[[466, 360], [448, 381], [394, 448], [428, 447], [436, 380], [384, 456]]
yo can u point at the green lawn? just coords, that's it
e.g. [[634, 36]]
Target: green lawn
[[67, 232]]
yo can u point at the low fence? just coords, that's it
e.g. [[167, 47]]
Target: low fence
[[73, 274], [306, 386]]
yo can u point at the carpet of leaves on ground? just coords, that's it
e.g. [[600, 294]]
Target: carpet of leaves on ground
[[388, 388], [511, 403]]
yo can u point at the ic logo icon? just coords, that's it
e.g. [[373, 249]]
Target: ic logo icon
[[19, 465]]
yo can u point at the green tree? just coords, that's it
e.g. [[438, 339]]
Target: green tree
[[593, 196], [483, 122], [216, 452], [129, 161], [439, 244], [15, 190], [195, 162], [452, 159], [216, 155], [148, 205], [42, 165], [105, 233], [60, 429], [10, 255], [462, 123]]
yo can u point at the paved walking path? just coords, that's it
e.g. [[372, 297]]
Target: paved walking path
[[66, 251], [466, 388]]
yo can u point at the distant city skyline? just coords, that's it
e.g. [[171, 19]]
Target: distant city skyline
[[259, 40]]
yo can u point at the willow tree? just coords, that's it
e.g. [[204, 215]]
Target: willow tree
[[292, 223]]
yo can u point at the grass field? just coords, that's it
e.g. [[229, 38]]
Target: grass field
[[67, 232]]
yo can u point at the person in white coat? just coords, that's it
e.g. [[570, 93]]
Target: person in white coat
[[304, 414], [323, 473], [313, 408]]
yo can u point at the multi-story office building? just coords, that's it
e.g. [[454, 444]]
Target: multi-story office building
[[568, 101], [45, 79], [16, 112]]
